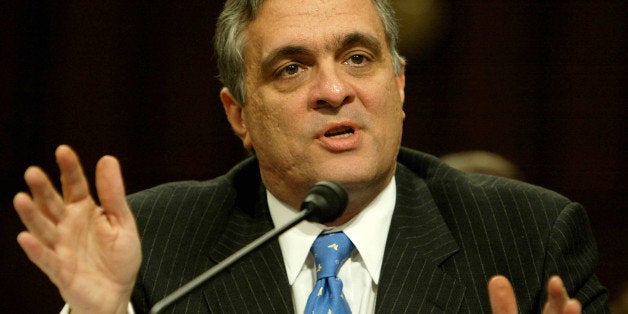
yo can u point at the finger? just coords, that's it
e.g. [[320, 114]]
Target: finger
[[556, 294], [502, 295], [44, 194], [573, 307], [35, 221], [43, 257], [110, 189], [558, 301], [73, 182]]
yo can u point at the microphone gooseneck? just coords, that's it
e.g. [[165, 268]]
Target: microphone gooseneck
[[324, 202]]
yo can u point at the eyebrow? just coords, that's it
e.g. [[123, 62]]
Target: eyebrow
[[349, 40], [281, 53], [360, 39]]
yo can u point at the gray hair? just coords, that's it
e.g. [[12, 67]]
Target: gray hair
[[229, 41]]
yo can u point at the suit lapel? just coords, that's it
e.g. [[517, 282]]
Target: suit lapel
[[418, 242], [256, 283]]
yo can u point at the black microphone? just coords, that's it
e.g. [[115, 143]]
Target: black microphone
[[324, 202]]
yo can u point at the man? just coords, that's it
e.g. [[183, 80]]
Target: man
[[315, 88]]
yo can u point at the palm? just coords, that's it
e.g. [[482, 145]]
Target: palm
[[99, 251]]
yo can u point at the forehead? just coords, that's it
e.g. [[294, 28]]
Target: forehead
[[310, 23]]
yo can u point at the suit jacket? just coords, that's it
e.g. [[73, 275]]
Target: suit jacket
[[450, 232]]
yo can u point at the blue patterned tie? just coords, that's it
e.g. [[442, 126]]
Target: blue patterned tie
[[330, 251]]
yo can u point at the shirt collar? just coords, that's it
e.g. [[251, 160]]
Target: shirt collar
[[368, 232]]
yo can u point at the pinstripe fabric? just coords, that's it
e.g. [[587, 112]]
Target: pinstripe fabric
[[187, 227], [500, 227], [449, 234], [418, 242]]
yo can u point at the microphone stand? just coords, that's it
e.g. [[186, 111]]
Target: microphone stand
[[194, 283]]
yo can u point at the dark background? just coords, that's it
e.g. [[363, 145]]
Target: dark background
[[539, 82]]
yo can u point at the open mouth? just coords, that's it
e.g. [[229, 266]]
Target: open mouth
[[340, 132]]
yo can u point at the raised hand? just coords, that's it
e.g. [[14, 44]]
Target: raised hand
[[91, 253], [503, 301]]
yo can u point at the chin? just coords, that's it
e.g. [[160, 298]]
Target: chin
[[355, 176], [355, 170]]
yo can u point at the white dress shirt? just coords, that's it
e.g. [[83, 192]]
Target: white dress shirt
[[360, 273]]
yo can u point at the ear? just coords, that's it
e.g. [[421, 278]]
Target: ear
[[401, 82], [235, 115], [401, 85]]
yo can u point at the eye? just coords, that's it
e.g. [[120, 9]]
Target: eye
[[289, 70], [357, 60]]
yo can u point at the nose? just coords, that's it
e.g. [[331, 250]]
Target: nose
[[330, 88]]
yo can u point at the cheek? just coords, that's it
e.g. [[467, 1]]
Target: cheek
[[384, 100], [385, 106], [268, 125]]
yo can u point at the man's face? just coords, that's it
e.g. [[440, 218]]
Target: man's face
[[322, 99]]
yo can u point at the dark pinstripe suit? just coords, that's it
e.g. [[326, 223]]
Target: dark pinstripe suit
[[450, 233]]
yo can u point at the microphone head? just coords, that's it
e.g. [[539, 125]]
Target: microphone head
[[327, 200]]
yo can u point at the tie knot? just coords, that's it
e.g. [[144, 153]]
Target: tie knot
[[330, 252]]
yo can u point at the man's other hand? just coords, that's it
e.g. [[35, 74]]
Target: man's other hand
[[503, 301]]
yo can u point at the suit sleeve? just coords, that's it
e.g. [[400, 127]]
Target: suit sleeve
[[572, 254]]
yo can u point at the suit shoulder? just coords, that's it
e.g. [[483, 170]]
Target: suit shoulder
[[515, 188], [214, 193], [453, 188], [173, 194]]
